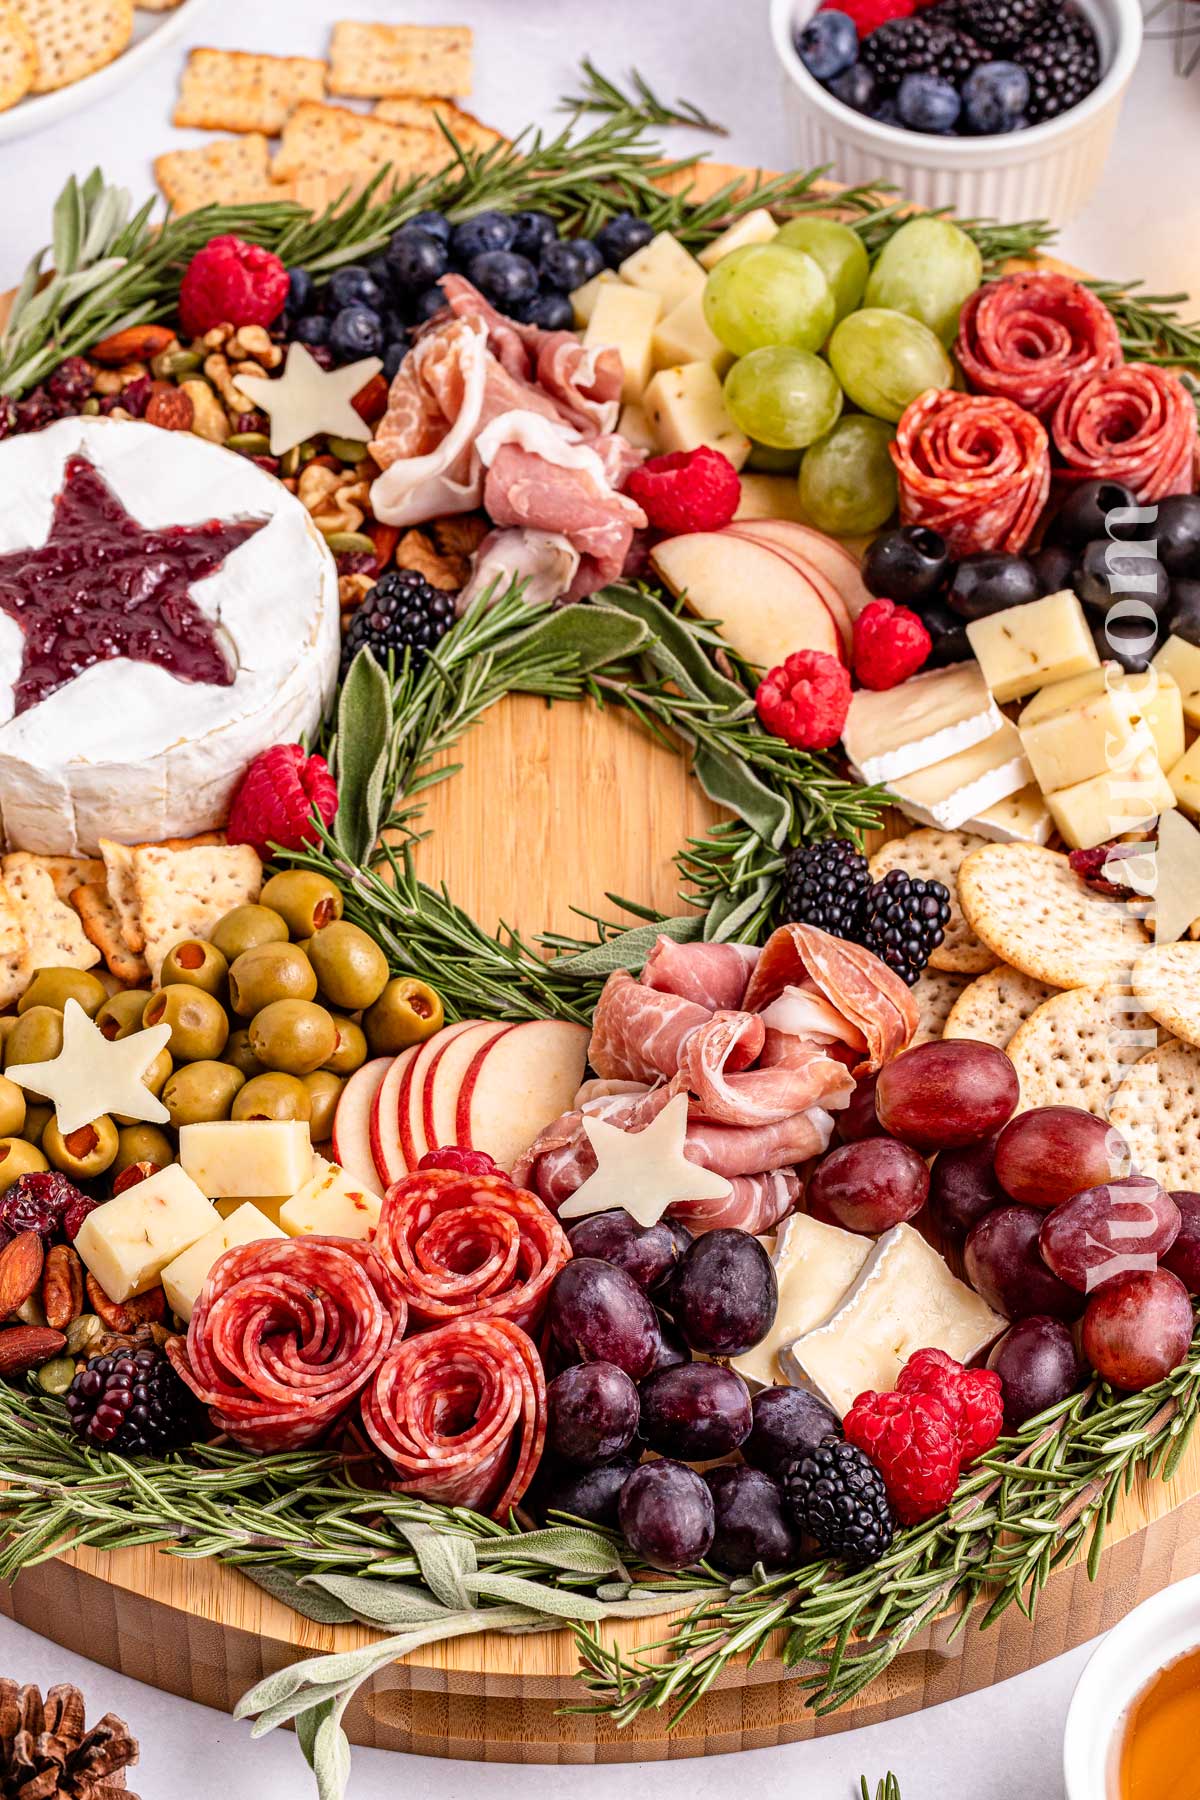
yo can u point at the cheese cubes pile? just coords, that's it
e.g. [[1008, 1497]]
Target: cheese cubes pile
[[235, 1182], [651, 310]]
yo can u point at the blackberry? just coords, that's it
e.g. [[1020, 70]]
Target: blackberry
[[903, 919], [133, 1404], [836, 1494], [823, 885], [895, 49], [954, 54], [402, 611], [1062, 61], [1001, 24]]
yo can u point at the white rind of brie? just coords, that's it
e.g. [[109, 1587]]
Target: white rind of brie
[[127, 750]]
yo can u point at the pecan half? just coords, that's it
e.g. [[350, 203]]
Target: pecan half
[[20, 1271], [25, 1347], [113, 1314], [62, 1286]]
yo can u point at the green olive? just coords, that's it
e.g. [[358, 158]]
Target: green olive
[[155, 1078], [7, 1026], [36, 1037], [142, 1143], [13, 1108], [324, 1091], [54, 987], [245, 927], [198, 1021], [194, 963], [270, 972], [83, 1153], [121, 1015], [270, 1097], [37, 1117], [18, 1158], [305, 900], [239, 1055], [293, 1035], [351, 968], [201, 1093], [407, 1012], [350, 1050]]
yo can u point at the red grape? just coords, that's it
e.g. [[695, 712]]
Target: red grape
[[752, 1526], [724, 1294], [869, 1186], [1004, 1265], [670, 1350], [859, 1119], [695, 1410], [787, 1422], [584, 1493], [591, 1413], [1183, 1258], [667, 1515], [647, 1253], [1138, 1328], [600, 1314], [962, 1190], [945, 1094], [1109, 1230], [1045, 1156], [1038, 1364]]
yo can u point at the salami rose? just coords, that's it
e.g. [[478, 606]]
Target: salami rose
[[975, 468], [470, 1246], [460, 1414], [284, 1335], [1136, 424], [1024, 337]]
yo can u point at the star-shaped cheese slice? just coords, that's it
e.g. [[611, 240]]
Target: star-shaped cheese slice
[[1177, 888], [92, 1076], [644, 1171], [307, 399]]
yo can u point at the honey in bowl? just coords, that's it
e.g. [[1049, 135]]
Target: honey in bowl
[[1162, 1727]]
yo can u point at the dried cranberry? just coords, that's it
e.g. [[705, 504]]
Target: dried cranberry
[[251, 421], [74, 1213], [110, 402], [136, 397], [39, 1201], [357, 562], [321, 354], [8, 416], [269, 463], [37, 409], [71, 381], [1098, 867]]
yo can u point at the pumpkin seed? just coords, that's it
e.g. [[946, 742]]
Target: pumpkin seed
[[81, 1332], [250, 443], [56, 1376], [350, 543], [169, 364], [347, 450]]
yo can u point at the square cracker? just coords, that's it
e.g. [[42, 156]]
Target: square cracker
[[374, 61], [66, 872], [74, 40], [937, 856], [422, 109], [229, 90], [52, 930], [183, 893], [157, 5], [333, 139], [228, 172], [16, 963], [18, 57], [1031, 909], [102, 925]]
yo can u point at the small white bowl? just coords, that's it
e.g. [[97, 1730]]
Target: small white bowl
[[1154, 1634], [1045, 172]]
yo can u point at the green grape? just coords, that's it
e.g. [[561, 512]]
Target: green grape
[[884, 359], [840, 252], [927, 270], [765, 459], [767, 294], [847, 481], [786, 398]]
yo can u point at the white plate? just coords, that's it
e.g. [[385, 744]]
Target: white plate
[[152, 32]]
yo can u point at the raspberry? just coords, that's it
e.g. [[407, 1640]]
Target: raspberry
[[971, 1397], [463, 1162], [274, 800], [890, 644], [230, 282], [690, 490], [805, 699], [867, 14], [911, 1440]]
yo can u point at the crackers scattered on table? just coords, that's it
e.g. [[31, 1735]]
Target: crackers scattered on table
[[935, 992], [373, 61], [333, 138], [1077, 1048], [994, 1006], [72, 40], [938, 856], [229, 90], [418, 109], [227, 172], [1157, 1110], [1028, 906]]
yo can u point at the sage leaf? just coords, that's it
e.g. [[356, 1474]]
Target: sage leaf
[[589, 637], [393, 1603], [66, 229], [728, 781], [629, 949], [446, 1561], [329, 1754], [679, 646], [321, 1608], [364, 724], [565, 1547], [555, 1603]]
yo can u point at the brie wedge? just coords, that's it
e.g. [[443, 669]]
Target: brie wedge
[[950, 792], [814, 1266], [920, 722]]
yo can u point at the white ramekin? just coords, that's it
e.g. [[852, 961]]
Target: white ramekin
[[1046, 172], [1153, 1635]]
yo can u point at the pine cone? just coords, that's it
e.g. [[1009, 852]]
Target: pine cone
[[46, 1752]]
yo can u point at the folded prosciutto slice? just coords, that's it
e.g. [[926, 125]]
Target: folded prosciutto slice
[[854, 981]]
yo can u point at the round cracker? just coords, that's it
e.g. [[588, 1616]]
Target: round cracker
[[18, 58], [1076, 1048], [1166, 979], [935, 992], [1029, 906], [73, 40], [1157, 1109], [936, 856], [995, 1005]]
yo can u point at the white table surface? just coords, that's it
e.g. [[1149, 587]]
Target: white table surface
[[1145, 220]]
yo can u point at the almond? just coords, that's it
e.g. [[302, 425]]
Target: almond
[[62, 1286], [169, 407], [25, 1347], [112, 1313], [135, 343], [20, 1271], [370, 402]]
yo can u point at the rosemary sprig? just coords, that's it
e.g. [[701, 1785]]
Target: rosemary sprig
[[1150, 325], [602, 95], [888, 1788]]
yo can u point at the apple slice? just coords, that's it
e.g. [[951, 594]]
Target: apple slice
[[386, 1150], [410, 1099], [444, 1080], [833, 559], [766, 607], [352, 1123], [517, 1084], [753, 531]]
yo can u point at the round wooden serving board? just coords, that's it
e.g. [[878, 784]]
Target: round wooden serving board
[[557, 807]]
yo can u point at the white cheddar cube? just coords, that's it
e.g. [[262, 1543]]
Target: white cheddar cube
[[332, 1204], [1185, 780], [1020, 818], [770, 497], [1058, 695], [1153, 697], [683, 335], [635, 426], [893, 731], [623, 319], [686, 408], [815, 1265], [757, 227], [583, 299], [128, 1242], [267, 1204], [665, 268], [1081, 741], [904, 1299], [948, 793], [1123, 798], [1181, 661], [241, 1158], [1027, 646], [183, 1278]]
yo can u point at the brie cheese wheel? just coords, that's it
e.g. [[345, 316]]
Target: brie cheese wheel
[[127, 750]]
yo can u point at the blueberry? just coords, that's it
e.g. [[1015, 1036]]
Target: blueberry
[[994, 96], [485, 231], [828, 44], [393, 356], [927, 103], [435, 223], [560, 266], [886, 113], [427, 303], [354, 286], [415, 259], [551, 310], [531, 231], [854, 87], [621, 237], [300, 288], [589, 256], [377, 268], [312, 329], [356, 331], [503, 277]]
